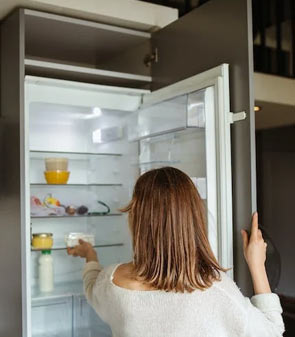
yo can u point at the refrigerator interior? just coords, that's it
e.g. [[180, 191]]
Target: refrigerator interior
[[107, 150]]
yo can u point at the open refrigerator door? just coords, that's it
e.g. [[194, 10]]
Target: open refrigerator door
[[187, 125]]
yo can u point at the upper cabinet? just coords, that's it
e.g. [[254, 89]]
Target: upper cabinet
[[74, 49]]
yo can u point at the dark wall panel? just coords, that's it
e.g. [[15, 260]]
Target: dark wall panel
[[276, 186]]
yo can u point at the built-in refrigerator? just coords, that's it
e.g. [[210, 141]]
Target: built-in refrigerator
[[112, 127], [111, 136]]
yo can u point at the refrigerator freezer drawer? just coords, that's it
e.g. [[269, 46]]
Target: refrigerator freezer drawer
[[87, 322], [52, 317]]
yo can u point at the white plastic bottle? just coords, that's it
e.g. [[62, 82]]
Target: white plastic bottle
[[46, 271]]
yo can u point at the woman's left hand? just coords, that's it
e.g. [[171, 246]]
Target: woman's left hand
[[83, 250]]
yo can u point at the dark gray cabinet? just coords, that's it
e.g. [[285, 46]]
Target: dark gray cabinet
[[43, 44]]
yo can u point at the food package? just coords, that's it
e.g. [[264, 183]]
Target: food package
[[42, 209], [72, 239]]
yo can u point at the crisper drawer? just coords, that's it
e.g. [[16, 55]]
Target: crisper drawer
[[86, 321], [52, 317]]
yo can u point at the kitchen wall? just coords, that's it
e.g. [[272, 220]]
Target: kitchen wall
[[276, 186]]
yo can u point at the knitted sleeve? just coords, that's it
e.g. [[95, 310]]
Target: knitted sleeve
[[264, 316], [91, 273]]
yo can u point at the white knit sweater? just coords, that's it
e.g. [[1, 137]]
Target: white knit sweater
[[220, 311]]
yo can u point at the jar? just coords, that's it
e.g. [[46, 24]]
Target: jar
[[42, 240]]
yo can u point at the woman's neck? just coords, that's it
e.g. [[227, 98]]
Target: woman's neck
[[125, 277]]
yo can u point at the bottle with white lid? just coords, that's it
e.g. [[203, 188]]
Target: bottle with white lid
[[46, 271]]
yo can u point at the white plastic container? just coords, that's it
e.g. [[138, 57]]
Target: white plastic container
[[56, 164], [72, 239], [46, 271]]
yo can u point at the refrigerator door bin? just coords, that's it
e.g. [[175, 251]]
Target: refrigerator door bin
[[168, 116]]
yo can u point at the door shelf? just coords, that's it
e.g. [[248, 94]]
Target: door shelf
[[158, 162], [95, 246], [74, 216], [36, 154], [72, 185], [168, 133]]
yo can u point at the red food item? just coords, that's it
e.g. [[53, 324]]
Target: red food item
[[36, 201]]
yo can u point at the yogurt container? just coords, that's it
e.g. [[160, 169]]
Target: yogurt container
[[72, 239], [56, 164]]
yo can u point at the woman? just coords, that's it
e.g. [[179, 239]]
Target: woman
[[174, 286]]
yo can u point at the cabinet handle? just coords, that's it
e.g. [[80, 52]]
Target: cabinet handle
[[151, 58]]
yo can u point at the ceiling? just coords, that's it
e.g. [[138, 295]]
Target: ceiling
[[274, 115]]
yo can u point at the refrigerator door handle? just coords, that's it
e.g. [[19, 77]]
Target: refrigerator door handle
[[236, 117]]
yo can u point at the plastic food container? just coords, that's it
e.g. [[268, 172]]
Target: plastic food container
[[57, 177], [72, 239], [56, 164], [42, 240]]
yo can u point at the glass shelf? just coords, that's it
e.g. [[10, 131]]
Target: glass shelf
[[95, 246], [158, 162], [36, 154], [62, 289], [74, 216], [73, 185]]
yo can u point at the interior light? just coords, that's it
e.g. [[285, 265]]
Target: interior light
[[96, 112], [257, 108], [96, 136], [196, 104]]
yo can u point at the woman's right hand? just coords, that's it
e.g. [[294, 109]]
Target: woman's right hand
[[254, 247], [84, 250], [255, 255]]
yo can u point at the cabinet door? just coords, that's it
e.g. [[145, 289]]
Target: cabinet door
[[218, 32], [52, 317], [13, 292], [86, 322]]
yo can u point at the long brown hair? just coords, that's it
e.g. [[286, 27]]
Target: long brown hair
[[167, 221]]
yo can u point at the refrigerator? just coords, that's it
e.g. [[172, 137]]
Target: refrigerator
[[111, 136], [196, 115]]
